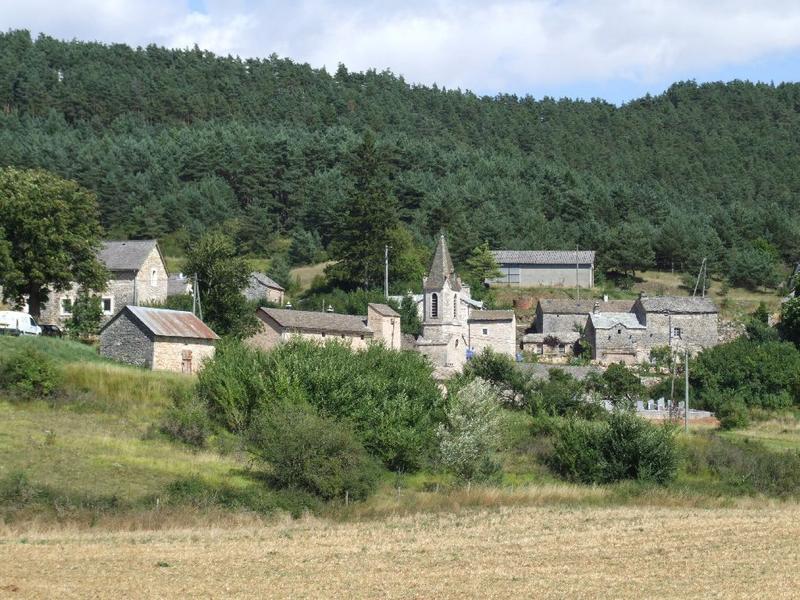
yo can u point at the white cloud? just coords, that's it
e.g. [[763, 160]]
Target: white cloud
[[489, 45]]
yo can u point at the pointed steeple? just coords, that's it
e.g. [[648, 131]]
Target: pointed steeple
[[441, 269]]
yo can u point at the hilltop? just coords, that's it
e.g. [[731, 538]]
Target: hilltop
[[175, 142]]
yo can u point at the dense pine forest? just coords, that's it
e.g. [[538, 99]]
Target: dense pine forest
[[178, 142]]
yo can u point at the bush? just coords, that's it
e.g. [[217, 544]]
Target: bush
[[187, 420], [745, 467], [501, 371], [624, 447], [314, 454], [389, 398], [469, 439], [765, 375], [733, 414], [29, 374]]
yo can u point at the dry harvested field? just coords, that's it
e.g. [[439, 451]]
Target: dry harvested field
[[541, 552]]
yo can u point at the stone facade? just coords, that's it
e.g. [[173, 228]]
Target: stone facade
[[278, 326], [552, 348], [144, 285], [127, 341], [491, 331], [385, 325], [681, 330], [262, 287], [181, 355], [563, 315], [616, 337]]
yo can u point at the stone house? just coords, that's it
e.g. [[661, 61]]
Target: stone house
[[563, 315], [552, 347], [138, 276], [262, 287], [495, 329], [158, 339], [558, 268], [678, 322], [450, 326], [616, 337], [279, 325]]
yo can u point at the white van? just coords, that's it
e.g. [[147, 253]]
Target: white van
[[18, 323]]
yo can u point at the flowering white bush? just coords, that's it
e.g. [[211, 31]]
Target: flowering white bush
[[468, 441]]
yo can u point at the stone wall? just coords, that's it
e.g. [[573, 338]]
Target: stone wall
[[500, 336], [169, 354], [147, 290], [125, 341], [697, 331], [618, 344], [270, 335]]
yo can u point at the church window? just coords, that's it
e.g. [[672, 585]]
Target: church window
[[434, 306]]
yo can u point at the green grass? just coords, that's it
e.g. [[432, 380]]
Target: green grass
[[780, 433], [60, 350]]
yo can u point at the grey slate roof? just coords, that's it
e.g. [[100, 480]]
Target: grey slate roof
[[167, 323], [610, 320], [125, 255], [441, 269], [565, 337], [384, 309], [265, 280], [582, 307], [318, 322], [678, 305], [543, 257], [491, 315]]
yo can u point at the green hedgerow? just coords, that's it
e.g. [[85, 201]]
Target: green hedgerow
[[29, 374]]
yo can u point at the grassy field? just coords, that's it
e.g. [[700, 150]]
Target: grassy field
[[305, 275], [541, 552]]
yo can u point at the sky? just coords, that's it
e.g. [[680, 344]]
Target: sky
[[616, 50]]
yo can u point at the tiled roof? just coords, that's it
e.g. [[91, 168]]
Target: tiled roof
[[322, 322], [678, 305], [609, 320], [582, 307], [491, 315], [168, 323], [543, 257], [383, 309], [125, 255], [441, 268]]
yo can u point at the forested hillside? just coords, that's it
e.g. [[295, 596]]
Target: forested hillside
[[175, 142]]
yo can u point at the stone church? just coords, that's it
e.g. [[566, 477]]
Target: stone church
[[451, 327]]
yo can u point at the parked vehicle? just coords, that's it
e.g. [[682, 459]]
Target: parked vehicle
[[52, 331], [18, 323]]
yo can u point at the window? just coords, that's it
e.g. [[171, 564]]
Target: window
[[107, 302], [485, 331], [66, 306], [455, 306], [434, 306], [619, 331], [676, 332], [153, 278], [33, 322]]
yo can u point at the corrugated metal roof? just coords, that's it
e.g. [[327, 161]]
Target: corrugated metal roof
[[543, 257], [491, 315], [383, 309], [678, 305], [171, 323], [610, 320], [566, 306], [322, 322], [125, 255]]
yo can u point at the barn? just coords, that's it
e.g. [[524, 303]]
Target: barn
[[552, 268], [158, 339]]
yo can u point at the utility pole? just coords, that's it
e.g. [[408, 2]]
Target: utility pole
[[577, 274], [686, 392], [386, 270], [702, 274]]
